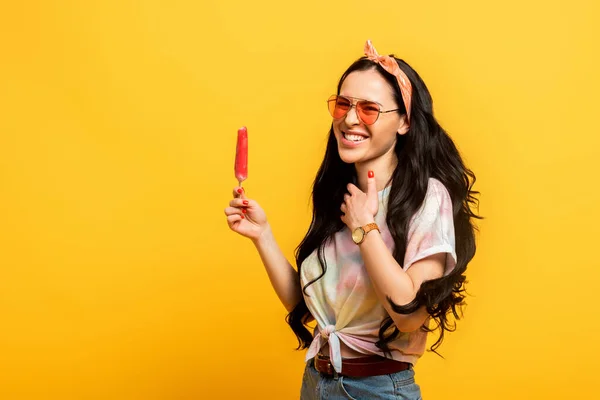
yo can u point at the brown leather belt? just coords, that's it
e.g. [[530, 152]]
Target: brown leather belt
[[363, 366]]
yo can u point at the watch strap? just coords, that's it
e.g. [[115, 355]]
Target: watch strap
[[369, 227]]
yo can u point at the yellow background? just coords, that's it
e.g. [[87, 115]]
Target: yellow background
[[119, 278]]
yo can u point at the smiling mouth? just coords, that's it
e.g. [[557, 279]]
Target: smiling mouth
[[353, 137]]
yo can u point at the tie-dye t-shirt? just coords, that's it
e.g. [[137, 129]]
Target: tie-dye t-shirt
[[343, 301]]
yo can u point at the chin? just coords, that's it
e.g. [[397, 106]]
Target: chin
[[350, 156]]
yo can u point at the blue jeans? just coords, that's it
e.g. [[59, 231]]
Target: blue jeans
[[400, 385]]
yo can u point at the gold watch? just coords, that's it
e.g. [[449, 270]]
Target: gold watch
[[359, 234]]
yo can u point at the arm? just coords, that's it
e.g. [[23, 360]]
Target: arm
[[247, 218], [390, 280], [388, 277], [282, 275]]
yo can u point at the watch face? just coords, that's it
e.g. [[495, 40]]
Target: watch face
[[357, 235]]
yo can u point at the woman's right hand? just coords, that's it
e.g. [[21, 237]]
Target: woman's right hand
[[245, 216]]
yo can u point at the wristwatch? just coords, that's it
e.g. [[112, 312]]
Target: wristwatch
[[359, 234]]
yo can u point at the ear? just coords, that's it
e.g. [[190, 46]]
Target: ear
[[403, 126]]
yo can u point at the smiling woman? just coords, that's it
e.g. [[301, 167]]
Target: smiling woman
[[363, 133], [389, 242]]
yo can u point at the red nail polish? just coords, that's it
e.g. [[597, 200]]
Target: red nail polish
[[240, 190], [371, 174], [245, 202], [244, 210], [243, 217]]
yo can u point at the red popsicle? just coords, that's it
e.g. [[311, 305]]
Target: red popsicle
[[241, 155]]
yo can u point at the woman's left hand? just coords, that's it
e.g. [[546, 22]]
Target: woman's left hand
[[360, 208]]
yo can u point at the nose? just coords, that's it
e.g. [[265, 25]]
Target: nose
[[352, 116]]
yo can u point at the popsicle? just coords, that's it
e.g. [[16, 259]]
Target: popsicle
[[241, 155]]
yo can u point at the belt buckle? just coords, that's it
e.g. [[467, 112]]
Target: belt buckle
[[330, 371]]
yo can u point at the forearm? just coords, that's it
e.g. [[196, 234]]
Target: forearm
[[390, 280], [282, 275]]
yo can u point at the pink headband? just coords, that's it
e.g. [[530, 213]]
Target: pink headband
[[391, 66]]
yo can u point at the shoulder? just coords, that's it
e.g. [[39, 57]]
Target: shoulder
[[437, 193], [437, 199], [437, 188]]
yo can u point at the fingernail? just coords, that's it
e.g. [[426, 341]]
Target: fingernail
[[243, 217], [371, 174], [245, 202], [244, 210], [240, 190]]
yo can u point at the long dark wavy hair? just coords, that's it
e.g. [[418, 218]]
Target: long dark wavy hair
[[425, 151]]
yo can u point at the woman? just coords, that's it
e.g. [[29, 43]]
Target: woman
[[389, 242]]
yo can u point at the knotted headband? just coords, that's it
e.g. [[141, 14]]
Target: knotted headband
[[390, 65]]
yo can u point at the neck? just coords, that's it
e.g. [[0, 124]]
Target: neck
[[383, 168]]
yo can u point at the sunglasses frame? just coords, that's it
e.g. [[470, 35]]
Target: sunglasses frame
[[350, 99]]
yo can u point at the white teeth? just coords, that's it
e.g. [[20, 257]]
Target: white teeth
[[354, 138]]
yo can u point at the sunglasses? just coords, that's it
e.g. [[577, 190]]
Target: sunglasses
[[367, 111]]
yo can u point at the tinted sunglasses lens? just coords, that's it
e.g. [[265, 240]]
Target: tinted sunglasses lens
[[368, 111], [339, 107], [331, 105]]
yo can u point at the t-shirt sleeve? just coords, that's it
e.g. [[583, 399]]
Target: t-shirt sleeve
[[431, 230]]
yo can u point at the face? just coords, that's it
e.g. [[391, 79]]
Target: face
[[358, 142]]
